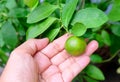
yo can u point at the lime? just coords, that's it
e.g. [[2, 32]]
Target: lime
[[75, 45]]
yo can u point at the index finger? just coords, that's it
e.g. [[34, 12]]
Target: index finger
[[56, 46]]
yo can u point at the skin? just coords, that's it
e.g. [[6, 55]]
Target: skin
[[37, 60]]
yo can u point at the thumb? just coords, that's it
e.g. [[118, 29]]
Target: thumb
[[21, 63], [31, 46]]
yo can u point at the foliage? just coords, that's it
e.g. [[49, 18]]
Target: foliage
[[21, 20]]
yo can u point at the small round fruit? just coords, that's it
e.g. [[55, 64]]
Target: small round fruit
[[75, 46]]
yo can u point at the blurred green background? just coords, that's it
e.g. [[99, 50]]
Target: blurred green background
[[15, 29]]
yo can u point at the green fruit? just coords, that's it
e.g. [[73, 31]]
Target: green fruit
[[75, 46], [31, 3]]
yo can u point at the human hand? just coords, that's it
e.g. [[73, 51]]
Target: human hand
[[37, 61]]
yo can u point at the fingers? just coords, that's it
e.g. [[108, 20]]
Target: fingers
[[68, 60], [91, 47], [70, 66], [52, 70], [21, 62], [31, 46], [62, 56], [75, 66], [56, 46], [43, 57], [43, 62]]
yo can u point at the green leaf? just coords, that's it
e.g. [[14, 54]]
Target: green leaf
[[95, 58], [114, 14], [52, 1], [38, 29], [19, 26], [94, 72], [68, 11], [18, 12], [115, 43], [21, 3], [52, 33], [117, 2], [90, 17], [3, 56], [1, 39], [21, 30], [11, 4], [31, 3], [9, 35], [99, 38], [78, 29], [88, 79], [78, 79], [116, 29], [106, 37], [41, 12]]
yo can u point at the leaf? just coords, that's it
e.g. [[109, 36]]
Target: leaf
[[106, 37], [77, 79], [38, 29], [90, 17], [117, 2], [78, 29], [99, 38], [116, 29], [89, 34], [31, 3], [9, 35], [18, 12], [11, 4], [41, 12], [88, 79], [114, 12], [3, 57], [52, 33], [115, 44], [68, 11], [95, 58], [52, 1], [1, 39], [94, 72], [21, 30]]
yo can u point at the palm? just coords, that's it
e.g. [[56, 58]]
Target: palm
[[56, 65], [51, 63], [60, 68]]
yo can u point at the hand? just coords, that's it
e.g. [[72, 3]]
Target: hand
[[37, 61]]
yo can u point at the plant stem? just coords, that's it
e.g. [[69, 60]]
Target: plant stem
[[81, 4], [113, 56], [62, 26], [60, 8], [59, 1]]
